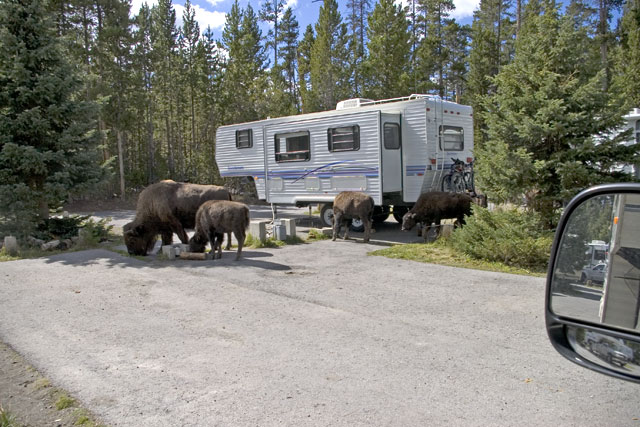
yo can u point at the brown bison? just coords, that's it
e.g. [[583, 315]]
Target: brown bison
[[432, 207], [167, 207], [349, 205], [216, 217]]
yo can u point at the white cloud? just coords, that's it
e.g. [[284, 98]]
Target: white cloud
[[205, 18], [464, 8], [214, 2], [290, 3], [137, 4]]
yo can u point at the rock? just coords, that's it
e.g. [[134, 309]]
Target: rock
[[49, 246], [36, 243], [11, 245]]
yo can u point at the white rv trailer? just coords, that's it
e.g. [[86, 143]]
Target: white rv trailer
[[392, 150]]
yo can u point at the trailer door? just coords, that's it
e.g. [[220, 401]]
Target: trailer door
[[391, 153]]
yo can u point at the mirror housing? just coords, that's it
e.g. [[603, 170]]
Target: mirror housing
[[595, 323]]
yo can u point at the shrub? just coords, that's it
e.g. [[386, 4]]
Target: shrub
[[508, 236]]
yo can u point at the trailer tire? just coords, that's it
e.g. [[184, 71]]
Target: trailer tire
[[326, 214], [357, 225]]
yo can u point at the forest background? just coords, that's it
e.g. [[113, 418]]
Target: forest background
[[97, 99]]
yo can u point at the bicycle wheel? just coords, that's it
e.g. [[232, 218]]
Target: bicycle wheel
[[457, 183]]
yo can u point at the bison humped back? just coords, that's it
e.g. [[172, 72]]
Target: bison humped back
[[167, 207]]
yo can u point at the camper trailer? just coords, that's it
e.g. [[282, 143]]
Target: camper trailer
[[393, 150]]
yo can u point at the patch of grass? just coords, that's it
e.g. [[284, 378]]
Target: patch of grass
[[315, 234], [255, 243], [7, 419], [42, 383], [294, 240], [4, 256], [64, 401], [439, 253], [83, 418]]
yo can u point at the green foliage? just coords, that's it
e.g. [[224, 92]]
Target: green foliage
[[551, 131], [386, 69], [97, 231], [64, 401], [510, 236], [255, 243], [48, 146], [59, 227], [7, 419], [315, 234]]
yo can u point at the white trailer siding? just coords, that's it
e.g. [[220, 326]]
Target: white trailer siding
[[321, 176], [240, 162], [326, 173]]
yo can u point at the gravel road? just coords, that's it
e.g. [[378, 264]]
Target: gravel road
[[317, 334]]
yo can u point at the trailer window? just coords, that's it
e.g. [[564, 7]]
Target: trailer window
[[244, 138], [451, 138], [292, 147], [391, 136], [344, 138]]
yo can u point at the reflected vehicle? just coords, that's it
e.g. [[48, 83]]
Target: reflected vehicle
[[598, 241], [613, 350], [594, 273]]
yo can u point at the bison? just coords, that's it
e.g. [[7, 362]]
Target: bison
[[216, 217], [167, 207], [432, 207], [350, 205]]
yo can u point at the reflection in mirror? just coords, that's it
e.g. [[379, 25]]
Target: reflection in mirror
[[606, 351], [596, 276]]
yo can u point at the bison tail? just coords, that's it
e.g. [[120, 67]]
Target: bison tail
[[246, 218]]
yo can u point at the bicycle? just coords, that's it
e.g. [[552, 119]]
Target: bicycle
[[456, 181]]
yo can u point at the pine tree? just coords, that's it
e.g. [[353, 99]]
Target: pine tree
[[307, 95], [490, 40], [47, 146], [431, 52], [549, 125], [328, 64], [271, 12], [386, 69], [626, 84], [456, 45], [244, 80], [289, 55], [357, 22], [189, 37]]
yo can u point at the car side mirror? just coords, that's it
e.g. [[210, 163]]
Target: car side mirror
[[593, 283]]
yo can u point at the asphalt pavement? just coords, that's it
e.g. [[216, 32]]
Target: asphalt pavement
[[318, 334]]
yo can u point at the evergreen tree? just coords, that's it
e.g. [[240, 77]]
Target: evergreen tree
[[47, 143], [271, 12], [244, 80], [386, 69], [328, 64], [357, 22], [549, 126], [307, 95], [490, 40], [289, 55], [431, 53], [626, 84], [456, 42]]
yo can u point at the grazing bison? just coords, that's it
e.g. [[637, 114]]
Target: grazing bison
[[432, 207], [216, 217], [350, 205], [167, 207]]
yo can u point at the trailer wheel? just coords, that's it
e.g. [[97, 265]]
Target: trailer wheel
[[326, 215]]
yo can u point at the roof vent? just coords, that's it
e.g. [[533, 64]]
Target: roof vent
[[352, 103]]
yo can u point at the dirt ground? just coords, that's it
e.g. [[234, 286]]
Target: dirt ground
[[25, 393]]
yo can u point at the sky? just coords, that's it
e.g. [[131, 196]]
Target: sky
[[212, 12]]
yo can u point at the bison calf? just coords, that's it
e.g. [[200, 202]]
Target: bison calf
[[433, 207], [213, 219], [350, 205]]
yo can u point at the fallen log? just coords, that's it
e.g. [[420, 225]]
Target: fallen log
[[199, 256]]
